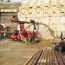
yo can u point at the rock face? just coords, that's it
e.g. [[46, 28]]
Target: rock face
[[49, 12]]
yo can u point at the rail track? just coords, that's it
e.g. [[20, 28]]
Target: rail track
[[46, 57]]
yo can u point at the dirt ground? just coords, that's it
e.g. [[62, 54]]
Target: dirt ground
[[17, 53]]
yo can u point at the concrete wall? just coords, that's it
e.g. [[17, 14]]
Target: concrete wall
[[7, 10]]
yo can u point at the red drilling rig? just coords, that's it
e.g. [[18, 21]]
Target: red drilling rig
[[23, 34]]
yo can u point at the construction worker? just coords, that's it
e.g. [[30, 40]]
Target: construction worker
[[61, 36], [4, 34]]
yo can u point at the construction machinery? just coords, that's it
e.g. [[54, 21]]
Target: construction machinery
[[60, 44], [23, 34], [4, 29]]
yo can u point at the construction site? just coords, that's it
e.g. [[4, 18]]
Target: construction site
[[32, 32]]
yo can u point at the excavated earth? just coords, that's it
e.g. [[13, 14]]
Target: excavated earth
[[17, 53]]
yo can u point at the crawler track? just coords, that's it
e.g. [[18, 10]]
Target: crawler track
[[46, 57]]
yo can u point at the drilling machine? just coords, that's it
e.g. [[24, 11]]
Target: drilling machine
[[23, 34]]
